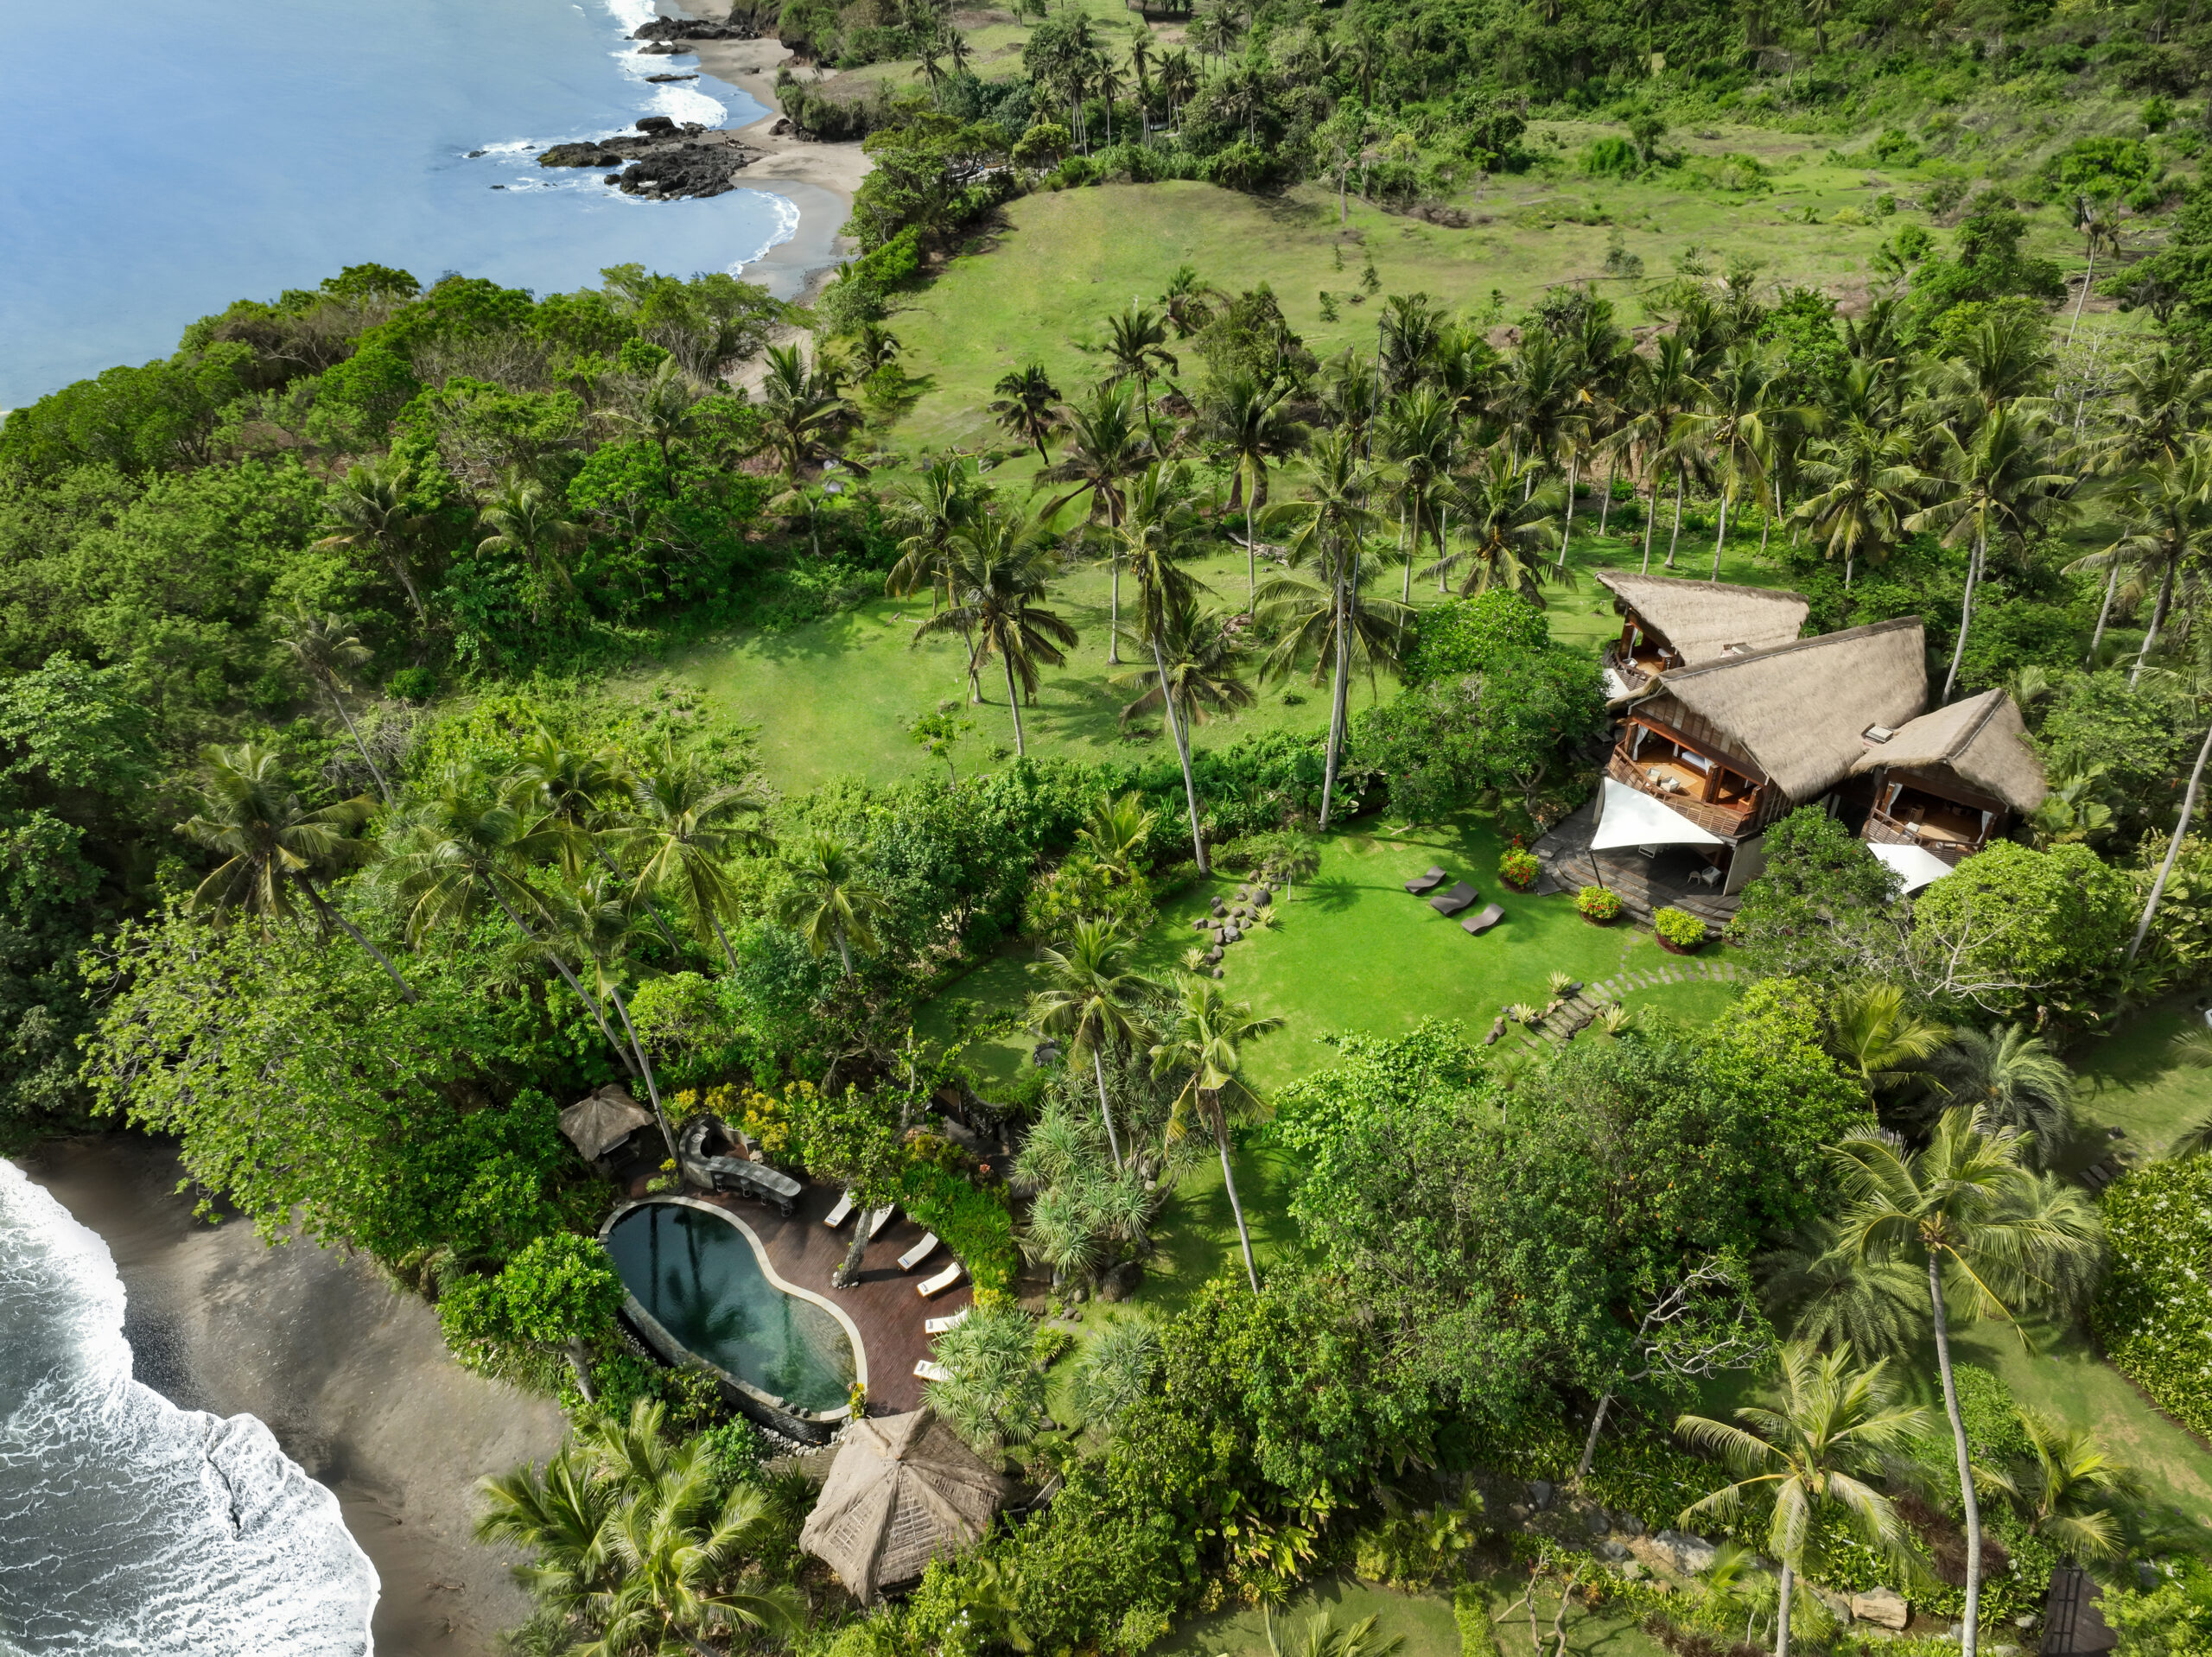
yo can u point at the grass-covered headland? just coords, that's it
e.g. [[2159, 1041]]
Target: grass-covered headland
[[422, 706]]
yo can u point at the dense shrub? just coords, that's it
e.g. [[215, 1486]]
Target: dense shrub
[[2154, 1314], [1519, 868], [1678, 927], [1597, 903]]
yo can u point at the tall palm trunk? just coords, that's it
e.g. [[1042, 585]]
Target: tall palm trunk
[[1722, 539], [1228, 1183], [2104, 613], [1972, 1618], [1408, 595], [1340, 695], [722, 938], [339, 702], [2158, 621], [1175, 728], [2088, 281], [591, 1002], [328, 911], [1965, 618], [1781, 1611], [646, 1065], [845, 944], [1105, 1111], [1676, 534], [1114, 564], [1251, 567], [1651, 519], [1567, 532], [1014, 706], [1605, 504], [2173, 846]]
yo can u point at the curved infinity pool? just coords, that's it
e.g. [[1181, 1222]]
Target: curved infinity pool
[[699, 1277]]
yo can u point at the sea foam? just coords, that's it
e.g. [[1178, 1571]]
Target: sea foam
[[128, 1526]]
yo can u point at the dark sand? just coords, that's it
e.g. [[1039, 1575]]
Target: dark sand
[[351, 1377]]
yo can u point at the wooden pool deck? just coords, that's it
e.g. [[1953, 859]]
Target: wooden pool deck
[[885, 1302]]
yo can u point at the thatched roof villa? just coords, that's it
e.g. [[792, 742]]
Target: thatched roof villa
[[1667, 622]]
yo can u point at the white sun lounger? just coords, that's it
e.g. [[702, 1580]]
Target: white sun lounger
[[839, 1215], [942, 1281], [929, 1371], [939, 1325], [877, 1221], [920, 1252]]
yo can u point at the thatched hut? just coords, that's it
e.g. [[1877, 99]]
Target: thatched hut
[[1950, 781], [904, 1490], [1668, 623], [600, 1123]]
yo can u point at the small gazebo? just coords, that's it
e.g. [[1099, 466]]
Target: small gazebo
[[598, 1123], [904, 1490]]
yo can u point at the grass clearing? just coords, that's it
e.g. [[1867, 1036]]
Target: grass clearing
[[1423, 1623]]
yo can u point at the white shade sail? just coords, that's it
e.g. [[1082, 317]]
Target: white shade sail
[[1916, 864], [1628, 818]]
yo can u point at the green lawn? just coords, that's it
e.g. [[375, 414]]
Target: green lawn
[[2130, 1082]]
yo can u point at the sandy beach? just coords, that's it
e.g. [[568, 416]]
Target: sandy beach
[[352, 1378]]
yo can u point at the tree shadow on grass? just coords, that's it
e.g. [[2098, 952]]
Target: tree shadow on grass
[[1332, 894]]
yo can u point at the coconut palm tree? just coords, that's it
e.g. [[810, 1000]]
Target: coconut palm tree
[[1331, 618], [1818, 1450], [2065, 1487], [1874, 1030], [686, 826], [272, 845], [1832, 1298], [1247, 422], [525, 520], [1107, 441], [832, 902], [1187, 301], [2168, 508], [1660, 387], [1867, 483], [328, 650], [1136, 345], [948, 498], [1157, 527], [1118, 827], [1001, 575], [2098, 229], [1205, 1041], [664, 412], [592, 926], [370, 506], [1502, 521], [1998, 483], [1989, 1234], [1196, 674], [2012, 1079], [1024, 405], [802, 412], [1420, 438], [1737, 416], [1092, 1000], [2158, 401]]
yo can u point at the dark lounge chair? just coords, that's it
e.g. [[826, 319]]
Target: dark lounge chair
[[1475, 925], [1429, 882], [1452, 902]]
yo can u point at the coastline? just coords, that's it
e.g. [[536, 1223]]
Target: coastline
[[817, 177], [351, 1377]]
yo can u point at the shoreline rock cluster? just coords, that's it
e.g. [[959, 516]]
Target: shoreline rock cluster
[[666, 36], [661, 161]]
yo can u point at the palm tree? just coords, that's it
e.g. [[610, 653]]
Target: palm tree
[[1248, 422], [1157, 527], [1419, 437], [1179, 81], [1116, 830], [2064, 1488], [2010, 1078], [1330, 619], [592, 922], [1998, 484], [1866, 481], [1874, 1030], [2168, 504], [2173, 847], [1187, 301], [2159, 401], [1136, 345], [2098, 229], [802, 412], [328, 651], [272, 845], [1093, 1000], [1660, 387], [1817, 1451], [1833, 1299], [525, 520], [1001, 575], [948, 498], [1966, 1208], [371, 504], [832, 902], [687, 826], [1025, 401], [666, 412], [1736, 424], [1106, 443], [1197, 657], [1502, 520], [996, 1392], [1538, 391], [1206, 1041]]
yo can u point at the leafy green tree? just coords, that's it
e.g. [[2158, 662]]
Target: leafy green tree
[[832, 902], [665, 411], [1994, 1239], [1817, 908], [1820, 1449], [2011, 928], [1205, 1042], [993, 1393], [558, 1293], [1093, 1000]]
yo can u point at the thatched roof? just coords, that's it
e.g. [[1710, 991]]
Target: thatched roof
[[903, 1490], [598, 1121], [1800, 711], [1703, 621], [1982, 741]]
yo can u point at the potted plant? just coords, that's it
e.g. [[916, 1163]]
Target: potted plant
[[1519, 869], [1680, 931], [1599, 906]]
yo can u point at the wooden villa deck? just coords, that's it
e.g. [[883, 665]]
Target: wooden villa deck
[[1645, 883]]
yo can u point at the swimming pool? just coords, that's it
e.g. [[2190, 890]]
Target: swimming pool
[[702, 1281]]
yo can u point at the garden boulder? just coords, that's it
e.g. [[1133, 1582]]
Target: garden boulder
[[1685, 1553], [1885, 1607]]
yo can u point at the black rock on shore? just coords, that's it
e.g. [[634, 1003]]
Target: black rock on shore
[[689, 28], [662, 161]]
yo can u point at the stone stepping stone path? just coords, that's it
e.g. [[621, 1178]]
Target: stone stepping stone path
[[1571, 1015]]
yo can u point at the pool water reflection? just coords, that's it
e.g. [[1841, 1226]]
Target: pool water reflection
[[699, 1277]]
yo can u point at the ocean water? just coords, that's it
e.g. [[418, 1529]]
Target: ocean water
[[128, 1527], [171, 155]]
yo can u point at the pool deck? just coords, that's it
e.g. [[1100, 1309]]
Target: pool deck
[[885, 1302]]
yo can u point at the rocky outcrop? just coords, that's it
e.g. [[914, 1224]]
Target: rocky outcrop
[[1884, 1607], [1685, 1553], [689, 28], [662, 161]]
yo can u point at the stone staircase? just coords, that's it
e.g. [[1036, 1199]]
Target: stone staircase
[[1581, 1008]]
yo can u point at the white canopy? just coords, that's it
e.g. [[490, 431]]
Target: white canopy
[[1917, 864], [1628, 818]]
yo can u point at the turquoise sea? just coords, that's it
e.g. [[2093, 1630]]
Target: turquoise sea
[[166, 157]]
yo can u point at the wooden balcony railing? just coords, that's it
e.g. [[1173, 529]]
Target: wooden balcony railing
[[1729, 819], [1882, 829]]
